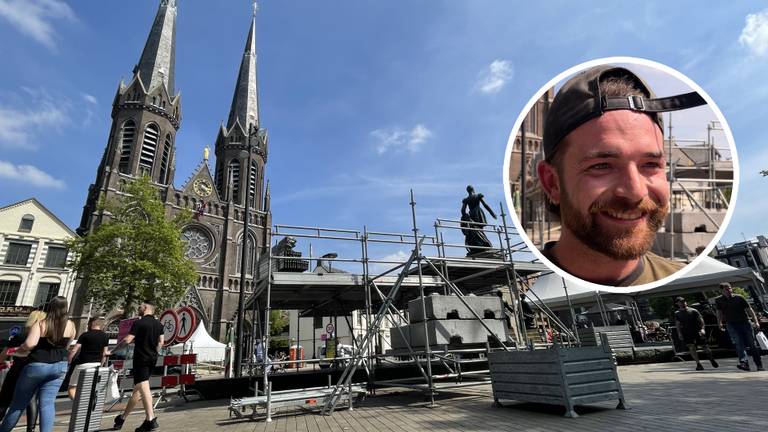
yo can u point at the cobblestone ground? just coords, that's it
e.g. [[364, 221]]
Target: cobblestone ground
[[670, 396]]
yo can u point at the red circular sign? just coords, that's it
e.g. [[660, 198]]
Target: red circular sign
[[187, 323], [170, 321]]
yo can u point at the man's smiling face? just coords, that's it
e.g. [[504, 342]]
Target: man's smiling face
[[610, 182]]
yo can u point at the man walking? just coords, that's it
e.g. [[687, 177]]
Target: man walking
[[147, 335], [735, 312], [690, 330], [91, 346]]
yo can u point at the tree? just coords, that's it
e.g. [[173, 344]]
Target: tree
[[135, 255]]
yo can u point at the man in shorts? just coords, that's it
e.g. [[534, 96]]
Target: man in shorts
[[88, 352], [147, 336], [735, 312], [690, 330]]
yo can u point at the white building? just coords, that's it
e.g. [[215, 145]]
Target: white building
[[33, 256]]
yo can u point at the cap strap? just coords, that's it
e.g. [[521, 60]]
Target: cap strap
[[639, 103]]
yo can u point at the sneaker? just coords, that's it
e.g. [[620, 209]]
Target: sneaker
[[743, 366], [119, 420], [148, 425], [699, 366], [714, 363]]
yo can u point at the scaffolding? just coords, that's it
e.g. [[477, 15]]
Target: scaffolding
[[429, 268]]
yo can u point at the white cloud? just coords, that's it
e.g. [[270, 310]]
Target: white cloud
[[34, 17], [30, 175], [90, 99], [398, 139], [395, 258], [18, 126], [754, 35], [493, 79]]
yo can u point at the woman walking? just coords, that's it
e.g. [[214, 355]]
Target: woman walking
[[9, 383], [46, 350]]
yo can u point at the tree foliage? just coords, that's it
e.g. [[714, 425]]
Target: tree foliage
[[278, 321], [136, 253]]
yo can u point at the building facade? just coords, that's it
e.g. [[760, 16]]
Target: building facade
[[33, 256], [146, 116]]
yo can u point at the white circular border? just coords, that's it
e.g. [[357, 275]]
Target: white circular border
[[643, 62]]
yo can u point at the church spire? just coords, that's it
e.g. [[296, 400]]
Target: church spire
[[158, 60], [245, 102]]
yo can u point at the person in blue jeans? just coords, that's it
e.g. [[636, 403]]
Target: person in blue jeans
[[736, 312], [46, 350]]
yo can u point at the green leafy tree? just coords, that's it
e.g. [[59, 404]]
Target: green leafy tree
[[137, 254]]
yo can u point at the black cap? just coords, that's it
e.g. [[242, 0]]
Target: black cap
[[581, 100]]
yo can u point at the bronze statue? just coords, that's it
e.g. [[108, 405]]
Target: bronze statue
[[473, 221]]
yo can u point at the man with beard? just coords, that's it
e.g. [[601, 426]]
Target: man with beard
[[604, 174]]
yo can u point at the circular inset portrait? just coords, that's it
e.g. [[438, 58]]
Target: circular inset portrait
[[621, 172]]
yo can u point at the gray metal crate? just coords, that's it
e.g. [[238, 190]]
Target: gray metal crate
[[558, 375]]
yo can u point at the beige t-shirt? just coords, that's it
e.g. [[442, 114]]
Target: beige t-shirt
[[650, 269]]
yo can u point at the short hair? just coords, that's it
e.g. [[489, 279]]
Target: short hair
[[679, 299], [96, 322], [615, 83], [724, 285]]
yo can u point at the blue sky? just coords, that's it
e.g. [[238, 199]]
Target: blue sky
[[363, 100]]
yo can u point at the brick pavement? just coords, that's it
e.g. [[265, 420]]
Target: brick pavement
[[669, 396]]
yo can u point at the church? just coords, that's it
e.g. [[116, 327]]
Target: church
[[146, 116]]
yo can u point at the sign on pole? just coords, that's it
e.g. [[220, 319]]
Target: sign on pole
[[187, 323], [329, 328], [124, 327], [170, 321]]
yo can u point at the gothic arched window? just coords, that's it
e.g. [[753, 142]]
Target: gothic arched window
[[234, 180], [252, 184], [165, 158], [148, 149], [127, 137]]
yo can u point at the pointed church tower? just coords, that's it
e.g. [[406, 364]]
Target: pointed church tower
[[242, 125], [146, 114]]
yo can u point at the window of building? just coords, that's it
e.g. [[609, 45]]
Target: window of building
[[149, 148], [45, 292], [127, 136], [234, 180], [165, 159], [252, 184], [56, 257], [26, 223], [18, 253], [9, 291]]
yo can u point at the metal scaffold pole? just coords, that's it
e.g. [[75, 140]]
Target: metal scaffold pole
[[427, 348]]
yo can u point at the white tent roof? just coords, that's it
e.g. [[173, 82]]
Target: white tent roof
[[207, 348], [706, 275]]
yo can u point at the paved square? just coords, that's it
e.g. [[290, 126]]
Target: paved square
[[669, 396]]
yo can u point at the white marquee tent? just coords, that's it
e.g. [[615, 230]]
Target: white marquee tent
[[207, 348], [549, 288]]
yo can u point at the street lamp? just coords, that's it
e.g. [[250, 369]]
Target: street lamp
[[244, 257]]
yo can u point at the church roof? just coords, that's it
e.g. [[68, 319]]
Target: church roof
[[158, 60]]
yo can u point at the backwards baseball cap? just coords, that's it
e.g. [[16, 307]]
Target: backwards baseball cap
[[581, 100]]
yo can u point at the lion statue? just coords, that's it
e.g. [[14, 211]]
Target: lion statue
[[285, 247]]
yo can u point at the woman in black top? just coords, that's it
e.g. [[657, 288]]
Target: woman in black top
[[46, 347]]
